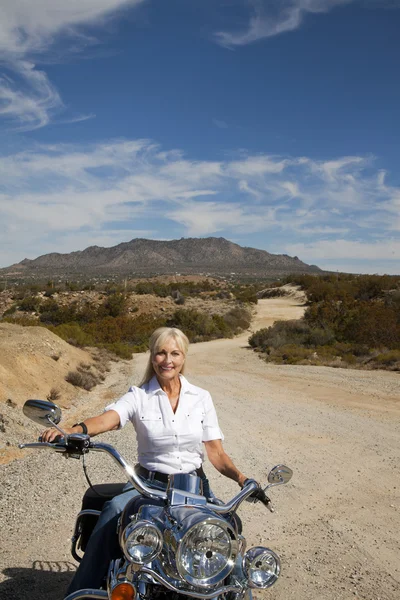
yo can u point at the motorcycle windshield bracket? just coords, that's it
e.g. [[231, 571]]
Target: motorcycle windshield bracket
[[179, 497]]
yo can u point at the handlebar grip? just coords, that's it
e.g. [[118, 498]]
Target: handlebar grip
[[56, 440], [266, 501]]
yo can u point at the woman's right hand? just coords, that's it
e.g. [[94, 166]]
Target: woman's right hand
[[49, 435]]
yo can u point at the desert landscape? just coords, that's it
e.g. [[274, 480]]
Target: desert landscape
[[335, 524]]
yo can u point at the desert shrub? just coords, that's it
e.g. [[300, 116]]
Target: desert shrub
[[318, 336], [113, 306], [373, 324], [86, 380], [29, 304], [200, 326], [177, 297], [72, 286], [73, 334], [247, 294], [290, 354], [54, 314], [122, 350], [389, 358], [84, 367], [53, 395], [196, 325], [238, 319], [10, 311], [23, 320], [87, 314], [280, 334], [350, 359]]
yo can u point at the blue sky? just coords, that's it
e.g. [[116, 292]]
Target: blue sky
[[273, 123]]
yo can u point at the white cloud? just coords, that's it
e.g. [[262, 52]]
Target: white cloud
[[67, 192], [273, 17], [28, 100], [203, 218]]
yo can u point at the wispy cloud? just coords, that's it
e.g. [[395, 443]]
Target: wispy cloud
[[220, 124], [81, 192], [78, 119], [269, 18], [28, 99]]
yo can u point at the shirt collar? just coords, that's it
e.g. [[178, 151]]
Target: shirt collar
[[152, 387]]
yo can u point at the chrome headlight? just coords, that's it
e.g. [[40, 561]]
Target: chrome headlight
[[141, 542], [262, 567], [207, 552]]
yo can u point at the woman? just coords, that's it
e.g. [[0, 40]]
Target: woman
[[172, 419]]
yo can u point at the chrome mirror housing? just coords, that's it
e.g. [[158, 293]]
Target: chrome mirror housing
[[279, 475], [42, 412]]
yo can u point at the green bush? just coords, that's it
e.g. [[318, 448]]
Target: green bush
[[113, 306], [29, 304], [73, 334], [280, 334], [10, 311], [389, 359], [203, 326], [238, 319], [121, 350]]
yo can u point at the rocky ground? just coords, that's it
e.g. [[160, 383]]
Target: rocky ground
[[336, 524]]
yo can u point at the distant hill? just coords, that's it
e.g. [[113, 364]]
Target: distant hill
[[140, 256]]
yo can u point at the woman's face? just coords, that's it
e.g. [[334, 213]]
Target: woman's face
[[168, 361]]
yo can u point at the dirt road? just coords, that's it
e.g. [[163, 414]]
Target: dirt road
[[336, 525]]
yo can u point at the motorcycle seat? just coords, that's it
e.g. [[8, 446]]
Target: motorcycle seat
[[95, 498]]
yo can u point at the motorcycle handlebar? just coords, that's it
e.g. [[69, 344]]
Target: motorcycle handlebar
[[81, 443]]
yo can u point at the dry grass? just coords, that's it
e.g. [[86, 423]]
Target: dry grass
[[53, 395]]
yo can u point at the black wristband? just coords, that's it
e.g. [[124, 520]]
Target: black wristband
[[84, 428]]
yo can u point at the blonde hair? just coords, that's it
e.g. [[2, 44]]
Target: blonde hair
[[156, 342]]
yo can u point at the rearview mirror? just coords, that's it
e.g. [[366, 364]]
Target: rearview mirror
[[42, 412], [279, 475]]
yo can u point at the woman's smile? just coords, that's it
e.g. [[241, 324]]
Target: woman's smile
[[168, 360]]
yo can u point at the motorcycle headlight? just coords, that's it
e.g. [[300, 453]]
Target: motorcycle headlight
[[262, 567], [207, 552], [141, 542]]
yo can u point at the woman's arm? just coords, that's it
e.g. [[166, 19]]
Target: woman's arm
[[222, 462], [107, 421]]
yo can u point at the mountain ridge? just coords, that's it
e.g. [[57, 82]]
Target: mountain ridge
[[141, 255]]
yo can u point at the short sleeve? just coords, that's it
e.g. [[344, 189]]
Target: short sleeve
[[211, 430], [126, 406]]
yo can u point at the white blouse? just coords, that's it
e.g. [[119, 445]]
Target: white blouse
[[169, 442]]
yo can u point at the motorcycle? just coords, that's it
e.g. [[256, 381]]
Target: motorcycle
[[173, 543]]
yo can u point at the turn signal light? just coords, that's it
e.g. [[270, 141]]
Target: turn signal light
[[123, 591]]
